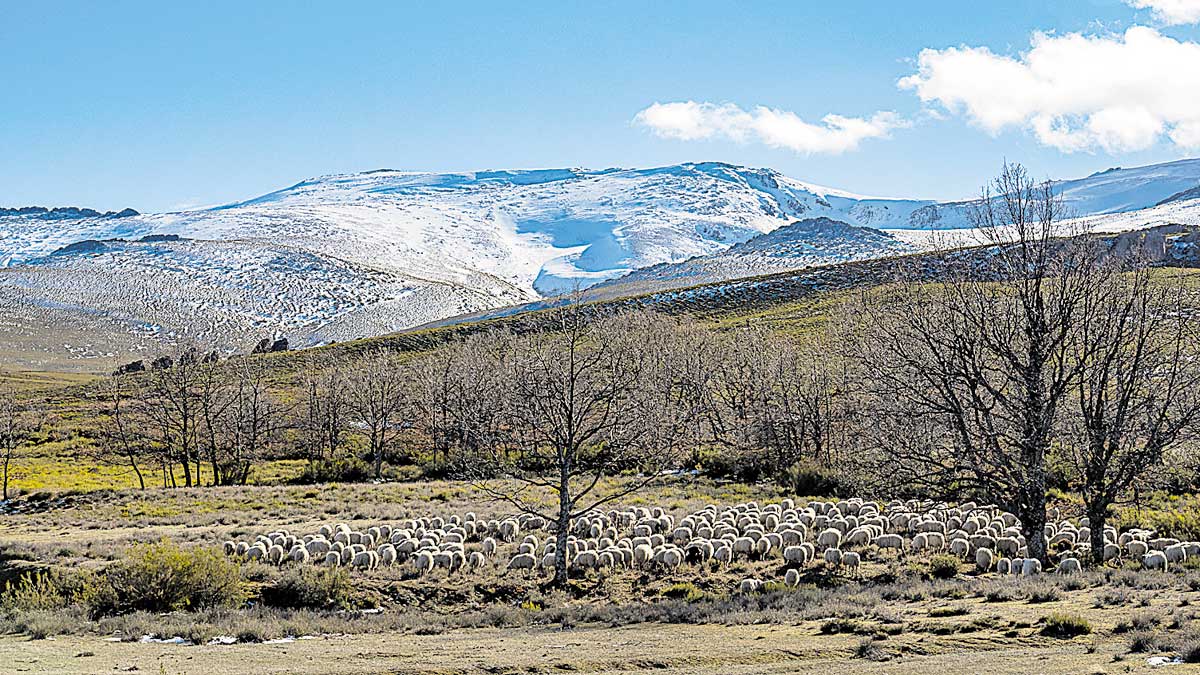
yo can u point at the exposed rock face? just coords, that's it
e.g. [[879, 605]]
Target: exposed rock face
[[1177, 244], [65, 212]]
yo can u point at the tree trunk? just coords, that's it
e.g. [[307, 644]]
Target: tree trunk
[[564, 527], [137, 471], [7, 461], [378, 457], [1033, 524], [1097, 520]]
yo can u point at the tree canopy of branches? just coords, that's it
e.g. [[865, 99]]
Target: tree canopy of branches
[[568, 405], [969, 378], [376, 392], [1138, 389]]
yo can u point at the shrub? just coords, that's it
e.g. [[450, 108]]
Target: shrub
[[948, 610], [44, 590], [308, 587], [1045, 594], [810, 478], [1061, 625], [164, 577], [686, 591], [347, 469], [867, 649], [943, 566]]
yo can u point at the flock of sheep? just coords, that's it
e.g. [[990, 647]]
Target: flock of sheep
[[836, 534]]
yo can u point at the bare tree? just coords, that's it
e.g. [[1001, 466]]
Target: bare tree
[[459, 393], [324, 409], [376, 388], [122, 426], [16, 429], [243, 422], [173, 398], [969, 374], [1138, 390], [588, 400]]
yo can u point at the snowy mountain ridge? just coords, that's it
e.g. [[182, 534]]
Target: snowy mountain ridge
[[351, 255]]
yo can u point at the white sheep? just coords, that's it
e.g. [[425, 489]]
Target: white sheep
[[1069, 566], [984, 559], [1156, 560]]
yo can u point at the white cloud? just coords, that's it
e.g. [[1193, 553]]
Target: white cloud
[[1074, 92], [691, 121], [1170, 12]]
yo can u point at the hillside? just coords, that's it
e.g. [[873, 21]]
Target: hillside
[[346, 256]]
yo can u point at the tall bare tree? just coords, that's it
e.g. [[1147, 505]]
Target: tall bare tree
[[969, 374], [173, 398], [16, 428], [376, 389], [122, 426], [1138, 390], [589, 399], [244, 421], [324, 410]]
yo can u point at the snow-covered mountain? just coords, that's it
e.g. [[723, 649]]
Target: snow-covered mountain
[[805, 243], [352, 255]]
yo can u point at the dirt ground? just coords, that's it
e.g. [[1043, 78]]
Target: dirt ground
[[661, 648]]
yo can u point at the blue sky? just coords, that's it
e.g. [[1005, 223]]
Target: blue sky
[[161, 106]]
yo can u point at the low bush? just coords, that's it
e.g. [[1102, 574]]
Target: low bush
[[1062, 625], [347, 469], [165, 577], [686, 591], [810, 478], [45, 590], [308, 587], [943, 566]]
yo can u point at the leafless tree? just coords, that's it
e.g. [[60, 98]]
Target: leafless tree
[[16, 428], [243, 420], [770, 401], [376, 389], [459, 393], [324, 411], [173, 398], [589, 398], [122, 426], [1138, 390], [969, 374]]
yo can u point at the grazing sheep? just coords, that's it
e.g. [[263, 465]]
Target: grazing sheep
[[299, 554], [1175, 553], [984, 559], [1156, 560], [1030, 567], [747, 586], [1069, 566], [1003, 565], [885, 541], [796, 554], [522, 561], [851, 560], [833, 556], [1137, 548], [829, 538], [333, 559], [792, 577], [1111, 552]]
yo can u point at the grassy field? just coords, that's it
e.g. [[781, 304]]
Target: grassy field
[[890, 617], [674, 649]]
